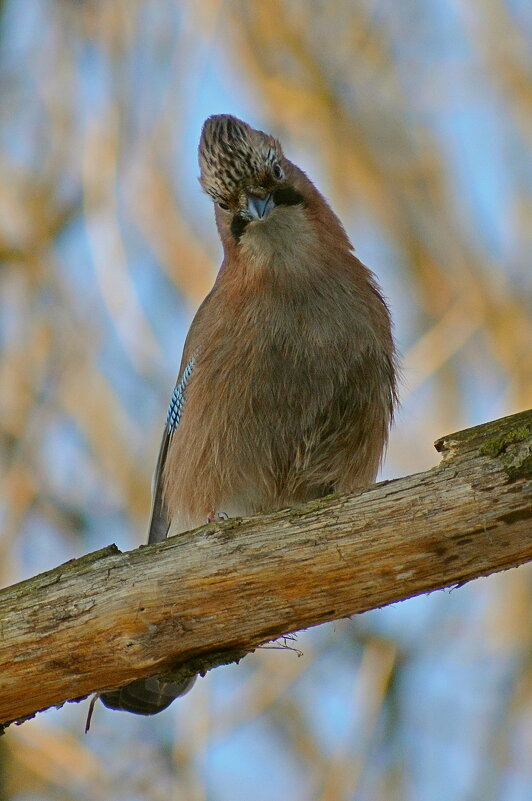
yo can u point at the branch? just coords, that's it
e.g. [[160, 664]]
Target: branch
[[212, 595]]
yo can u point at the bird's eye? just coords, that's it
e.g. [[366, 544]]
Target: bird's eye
[[277, 171], [223, 206]]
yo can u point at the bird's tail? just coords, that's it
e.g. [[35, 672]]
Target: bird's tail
[[147, 696]]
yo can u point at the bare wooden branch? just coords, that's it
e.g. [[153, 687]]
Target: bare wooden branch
[[214, 594]]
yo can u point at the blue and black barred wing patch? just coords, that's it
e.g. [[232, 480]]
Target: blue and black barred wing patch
[[160, 523], [175, 410]]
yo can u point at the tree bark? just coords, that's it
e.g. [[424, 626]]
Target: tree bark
[[212, 595]]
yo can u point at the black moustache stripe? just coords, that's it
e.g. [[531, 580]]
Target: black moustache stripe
[[238, 225], [287, 196]]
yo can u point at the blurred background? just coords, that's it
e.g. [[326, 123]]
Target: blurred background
[[414, 120]]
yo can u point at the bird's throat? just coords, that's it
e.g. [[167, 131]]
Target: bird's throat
[[278, 241]]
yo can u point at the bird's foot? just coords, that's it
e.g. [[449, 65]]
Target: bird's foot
[[216, 517]]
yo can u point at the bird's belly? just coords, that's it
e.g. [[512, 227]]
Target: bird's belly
[[274, 420]]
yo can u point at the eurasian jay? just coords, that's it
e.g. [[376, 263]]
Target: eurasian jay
[[287, 383]]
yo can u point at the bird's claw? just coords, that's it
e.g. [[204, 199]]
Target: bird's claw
[[217, 517]]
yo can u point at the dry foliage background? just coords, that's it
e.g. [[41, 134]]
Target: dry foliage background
[[414, 119]]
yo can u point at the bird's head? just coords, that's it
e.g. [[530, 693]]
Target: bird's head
[[248, 177]]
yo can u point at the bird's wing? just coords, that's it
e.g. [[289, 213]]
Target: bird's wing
[[160, 521]]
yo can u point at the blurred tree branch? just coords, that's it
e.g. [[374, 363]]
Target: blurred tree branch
[[211, 596]]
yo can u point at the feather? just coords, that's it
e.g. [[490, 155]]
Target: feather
[[287, 383], [159, 519]]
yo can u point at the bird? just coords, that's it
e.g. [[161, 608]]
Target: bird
[[288, 379]]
